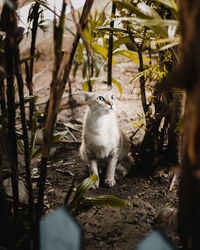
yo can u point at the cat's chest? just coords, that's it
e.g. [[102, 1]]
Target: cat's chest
[[102, 136]]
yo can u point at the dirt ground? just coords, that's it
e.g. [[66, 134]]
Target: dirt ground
[[103, 227]]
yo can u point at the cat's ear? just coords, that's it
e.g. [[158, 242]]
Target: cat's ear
[[83, 97], [87, 96]]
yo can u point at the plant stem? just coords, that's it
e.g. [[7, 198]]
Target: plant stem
[[110, 48], [52, 112], [141, 68], [59, 79], [84, 17], [10, 50], [3, 103], [32, 51], [25, 136], [4, 217], [142, 83]]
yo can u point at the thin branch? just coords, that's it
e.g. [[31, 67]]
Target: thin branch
[[3, 103], [10, 48], [84, 17], [141, 69], [25, 136], [79, 29], [32, 51], [59, 79], [58, 36], [110, 48]]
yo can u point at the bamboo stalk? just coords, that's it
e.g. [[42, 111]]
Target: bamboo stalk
[[3, 103], [59, 80], [10, 49], [4, 218], [141, 68], [52, 113], [110, 48], [84, 17], [87, 47], [32, 51], [25, 136]]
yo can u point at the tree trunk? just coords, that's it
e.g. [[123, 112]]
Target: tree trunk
[[189, 206]]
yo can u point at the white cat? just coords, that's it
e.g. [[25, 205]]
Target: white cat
[[102, 138]]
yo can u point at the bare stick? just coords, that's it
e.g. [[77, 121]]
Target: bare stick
[[59, 79], [110, 49], [32, 51], [25, 136], [10, 48]]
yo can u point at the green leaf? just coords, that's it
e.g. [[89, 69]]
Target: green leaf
[[75, 69], [84, 71], [121, 41], [100, 19], [95, 14], [168, 46], [82, 190], [115, 82], [149, 22], [20, 144], [88, 37], [117, 30], [85, 85], [57, 138], [37, 153], [130, 7], [28, 99], [80, 49], [169, 3], [139, 75], [70, 31], [33, 133], [69, 193], [175, 39], [90, 24], [105, 200], [179, 127], [26, 59], [133, 56], [148, 11], [99, 49]]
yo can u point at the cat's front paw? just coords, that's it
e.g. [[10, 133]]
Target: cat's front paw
[[110, 182]]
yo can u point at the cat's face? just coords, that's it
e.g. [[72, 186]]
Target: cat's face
[[102, 101]]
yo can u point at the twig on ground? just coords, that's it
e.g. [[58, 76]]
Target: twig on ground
[[65, 172], [72, 135]]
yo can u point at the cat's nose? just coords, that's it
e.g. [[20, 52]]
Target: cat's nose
[[110, 103]]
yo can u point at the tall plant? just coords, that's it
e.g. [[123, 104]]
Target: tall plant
[[62, 67], [151, 29]]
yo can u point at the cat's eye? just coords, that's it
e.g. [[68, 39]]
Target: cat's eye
[[112, 97], [101, 98]]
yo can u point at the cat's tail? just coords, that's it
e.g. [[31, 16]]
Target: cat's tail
[[123, 167]]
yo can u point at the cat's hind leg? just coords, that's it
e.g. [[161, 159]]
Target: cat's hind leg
[[123, 167]]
